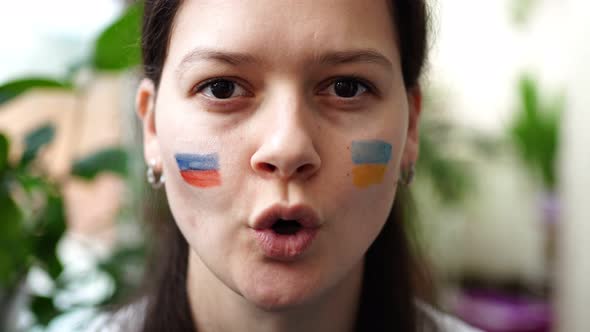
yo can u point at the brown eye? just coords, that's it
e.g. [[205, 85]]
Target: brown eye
[[221, 89], [347, 88]]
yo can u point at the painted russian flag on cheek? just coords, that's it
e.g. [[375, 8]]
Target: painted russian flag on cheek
[[370, 158], [199, 170]]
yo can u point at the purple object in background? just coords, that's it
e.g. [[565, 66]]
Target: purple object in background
[[550, 207], [494, 311]]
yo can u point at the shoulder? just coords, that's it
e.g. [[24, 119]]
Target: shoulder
[[126, 319], [442, 321]]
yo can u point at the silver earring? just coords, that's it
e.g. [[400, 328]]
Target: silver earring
[[407, 175], [154, 177]]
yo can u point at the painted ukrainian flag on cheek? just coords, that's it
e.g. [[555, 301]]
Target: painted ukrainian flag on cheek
[[199, 170], [370, 158]]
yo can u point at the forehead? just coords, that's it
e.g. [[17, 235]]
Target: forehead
[[283, 32]]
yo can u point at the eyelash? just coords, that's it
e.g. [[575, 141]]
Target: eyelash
[[370, 88], [365, 84], [202, 86]]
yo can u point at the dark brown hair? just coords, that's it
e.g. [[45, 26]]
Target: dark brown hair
[[387, 300]]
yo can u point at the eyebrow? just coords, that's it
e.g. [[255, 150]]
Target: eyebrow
[[230, 58], [355, 56], [370, 56]]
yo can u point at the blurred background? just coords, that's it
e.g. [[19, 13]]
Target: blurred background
[[502, 185]]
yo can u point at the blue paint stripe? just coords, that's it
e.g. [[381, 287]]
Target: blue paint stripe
[[197, 162], [371, 152]]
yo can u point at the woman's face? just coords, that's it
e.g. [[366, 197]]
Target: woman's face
[[271, 110]]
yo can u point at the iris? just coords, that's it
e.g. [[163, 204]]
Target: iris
[[222, 89], [346, 88]]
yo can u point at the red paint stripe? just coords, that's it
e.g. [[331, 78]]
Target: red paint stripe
[[203, 179]]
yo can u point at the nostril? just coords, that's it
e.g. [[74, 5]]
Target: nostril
[[266, 167], [305, 168]]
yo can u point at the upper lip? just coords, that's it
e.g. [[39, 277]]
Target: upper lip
[[303, 214]]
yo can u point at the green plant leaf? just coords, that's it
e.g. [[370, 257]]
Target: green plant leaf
[[14, 248], [44, 309], [30, 182], [112, 160], [13, 89], [530, 98], [4, 149], [535, 131], [449, 176], [51, 226], [522, 10], [34, 141], [118, 47]]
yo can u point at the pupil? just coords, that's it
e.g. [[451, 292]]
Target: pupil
[[222, 89], [346, 88]]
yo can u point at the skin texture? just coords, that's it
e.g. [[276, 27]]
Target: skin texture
[[285, 138]]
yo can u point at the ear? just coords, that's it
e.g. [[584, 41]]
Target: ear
[[145, 108], [411, 149]]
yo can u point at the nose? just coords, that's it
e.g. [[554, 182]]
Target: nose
[[287, 148]]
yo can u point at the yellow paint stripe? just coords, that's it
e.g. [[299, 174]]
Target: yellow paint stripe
[[365, 175]]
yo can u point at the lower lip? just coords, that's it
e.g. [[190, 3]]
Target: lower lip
[[285, 247]]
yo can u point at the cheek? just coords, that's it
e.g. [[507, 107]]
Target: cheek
[[199, 170], [360, 197], [370, 159], [374, 175], [193, 169]]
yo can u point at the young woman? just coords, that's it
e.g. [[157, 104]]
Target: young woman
[[282, 131]]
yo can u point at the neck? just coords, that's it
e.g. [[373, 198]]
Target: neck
[[216, 307]]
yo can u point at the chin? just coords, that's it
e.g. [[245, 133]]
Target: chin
[[277, 300], [280, 291]]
